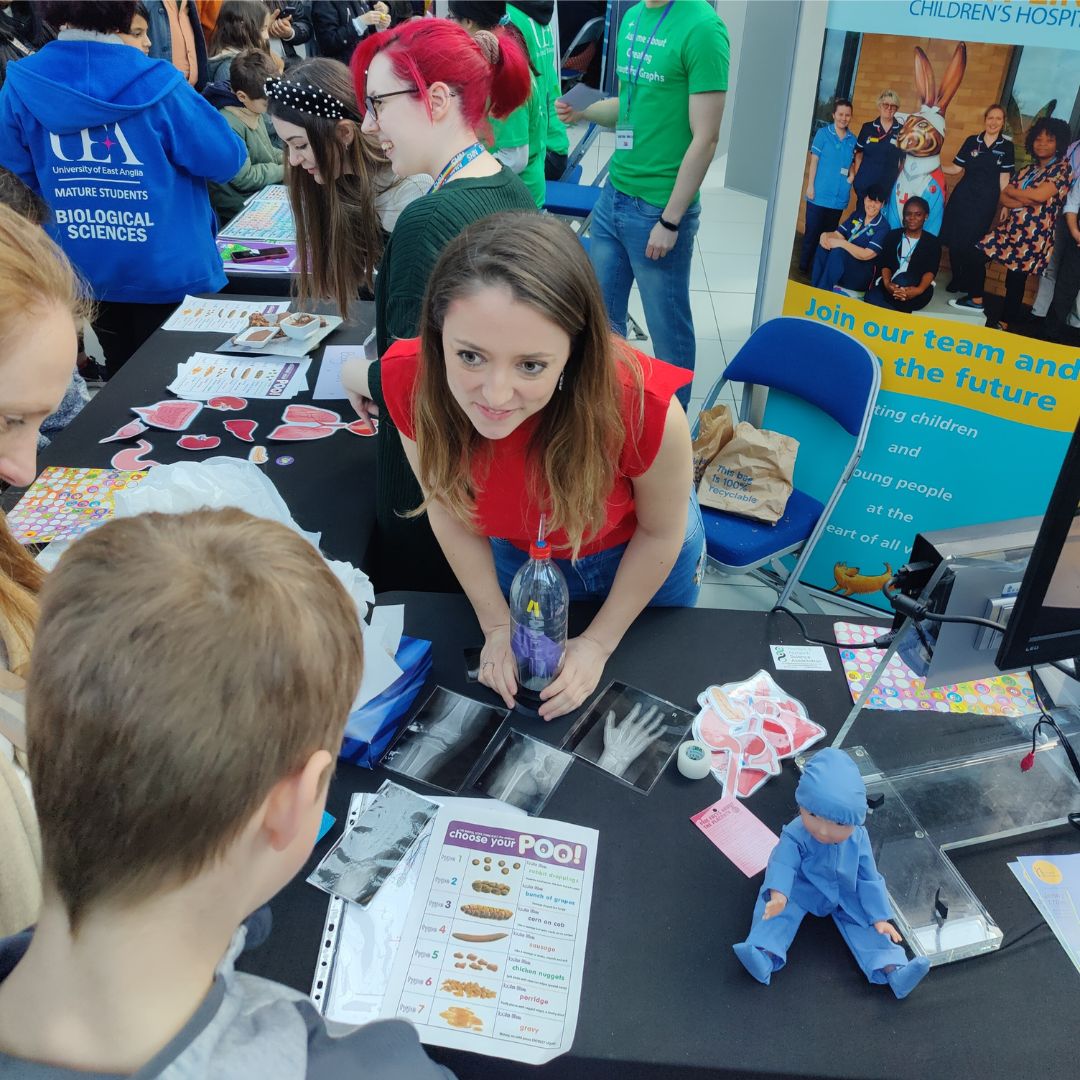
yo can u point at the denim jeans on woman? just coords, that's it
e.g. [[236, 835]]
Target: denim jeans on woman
[[618, 238], [591, 577]]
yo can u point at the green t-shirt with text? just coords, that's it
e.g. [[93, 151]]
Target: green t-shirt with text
[[540, 42], [526, 126], [688, 54]]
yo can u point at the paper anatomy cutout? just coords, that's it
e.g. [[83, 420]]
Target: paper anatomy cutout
[[242, 429], [198, 442], [258, 455], [750, 727], [128, 431], [300, 432], [227, 403], [170, 415], [302, 423], [132, 458]]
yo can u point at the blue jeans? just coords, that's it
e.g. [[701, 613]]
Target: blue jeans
[[619, 235], [590, 578], [839, 267]]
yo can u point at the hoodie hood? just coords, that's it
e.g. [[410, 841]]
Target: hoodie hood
[[71, 85], [220, 94], [539, 10], [832, 788]]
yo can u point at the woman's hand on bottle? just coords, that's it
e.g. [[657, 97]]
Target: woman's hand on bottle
[[582, 668], [497, 667]]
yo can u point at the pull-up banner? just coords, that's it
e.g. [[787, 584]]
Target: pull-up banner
[[973, 176]]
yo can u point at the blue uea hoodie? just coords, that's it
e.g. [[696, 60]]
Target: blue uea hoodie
[[121, 147]]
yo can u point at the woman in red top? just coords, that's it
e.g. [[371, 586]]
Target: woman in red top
[[517, 401]]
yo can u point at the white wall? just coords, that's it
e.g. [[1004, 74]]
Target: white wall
[[733, 12]]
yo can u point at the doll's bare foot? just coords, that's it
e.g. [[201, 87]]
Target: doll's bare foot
[[906, 977], [757, 961]]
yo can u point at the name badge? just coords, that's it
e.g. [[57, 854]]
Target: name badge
[[843, 171], [624, 138]]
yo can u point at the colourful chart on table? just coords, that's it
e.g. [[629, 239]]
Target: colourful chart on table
[[63, 503], [267, 217], [901, 689]]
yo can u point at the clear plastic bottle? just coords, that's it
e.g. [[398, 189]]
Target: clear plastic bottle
[[539, 603]]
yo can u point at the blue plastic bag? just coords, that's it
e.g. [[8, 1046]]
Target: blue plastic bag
[[370, 729]]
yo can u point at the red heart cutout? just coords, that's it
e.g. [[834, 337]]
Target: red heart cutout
[[362, 426], [309, 414], [300, 432], [242, 429], [128, 431], [130, 459], [226, 403], [170, 415], [198, 442]]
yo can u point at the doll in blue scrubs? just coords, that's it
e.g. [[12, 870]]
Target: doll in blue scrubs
[[823, 865]]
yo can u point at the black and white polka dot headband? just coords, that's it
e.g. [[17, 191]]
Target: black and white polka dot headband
[[306, 99]]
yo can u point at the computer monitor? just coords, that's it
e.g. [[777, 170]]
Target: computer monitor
[[1045, 622]]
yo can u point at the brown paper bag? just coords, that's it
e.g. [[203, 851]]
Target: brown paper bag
[[715, 428], [752, 475]]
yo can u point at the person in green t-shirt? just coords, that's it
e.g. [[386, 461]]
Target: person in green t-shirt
[[533, 21], [521, 138], [673, 70]]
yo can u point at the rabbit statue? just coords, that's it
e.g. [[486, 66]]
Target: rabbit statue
[[921, 139]]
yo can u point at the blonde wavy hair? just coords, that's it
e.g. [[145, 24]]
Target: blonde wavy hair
[[34, 275], [574, 451]]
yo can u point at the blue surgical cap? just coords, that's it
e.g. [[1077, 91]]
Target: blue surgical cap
[[832, 788]]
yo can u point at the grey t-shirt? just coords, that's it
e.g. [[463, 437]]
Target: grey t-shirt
[[251, 1027]]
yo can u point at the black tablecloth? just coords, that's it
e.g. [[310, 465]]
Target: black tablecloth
[[663, 994], [329, 488]]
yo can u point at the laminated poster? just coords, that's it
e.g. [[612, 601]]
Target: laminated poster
[[492, 953]]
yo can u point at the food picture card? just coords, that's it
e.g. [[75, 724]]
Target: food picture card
[[492, 953], [522, 771], [196, 313], [443, 742], [207, 375], [629, 734], [63, 503]]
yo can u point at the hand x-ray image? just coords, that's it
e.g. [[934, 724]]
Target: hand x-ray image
[[444, 740], [630, 734], [523, 771], [366, 855]]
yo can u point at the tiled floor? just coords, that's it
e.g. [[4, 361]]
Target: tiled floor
[[722, 285]]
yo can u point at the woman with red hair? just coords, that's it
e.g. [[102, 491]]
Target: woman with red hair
[[427, 88]]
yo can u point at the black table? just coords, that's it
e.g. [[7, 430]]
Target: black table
[[663, 994], [329, 488]]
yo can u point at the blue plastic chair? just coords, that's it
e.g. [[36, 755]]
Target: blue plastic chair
[[810, 369]]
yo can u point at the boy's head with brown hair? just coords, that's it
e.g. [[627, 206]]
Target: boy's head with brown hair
[[248, 73], [189, 686]]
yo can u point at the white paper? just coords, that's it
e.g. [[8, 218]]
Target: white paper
[[380, 668], [220, 316], [207, 375], [390, 623], [531, 975], [328, 386], [579, 97], [799, 658]]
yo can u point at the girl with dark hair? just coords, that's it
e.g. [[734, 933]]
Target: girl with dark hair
[[1024, 238], [109, 114], [345, 197], [241, 24], [517, 405], [427, 88]]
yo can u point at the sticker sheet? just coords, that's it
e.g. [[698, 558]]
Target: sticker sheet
[[63, 503], [492, 953], [901, 689], [221, 316], [211, 375]]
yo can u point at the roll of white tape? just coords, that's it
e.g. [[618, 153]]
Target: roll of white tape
[[694, 760]]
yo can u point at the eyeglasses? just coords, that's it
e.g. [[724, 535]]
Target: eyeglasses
[[373, 101]]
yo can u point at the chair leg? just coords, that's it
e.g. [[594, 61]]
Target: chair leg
[[635, 331]]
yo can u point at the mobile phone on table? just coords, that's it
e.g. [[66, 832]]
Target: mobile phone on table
[[255, 254]]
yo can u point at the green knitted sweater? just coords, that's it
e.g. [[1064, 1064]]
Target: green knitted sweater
[[408, 555]]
